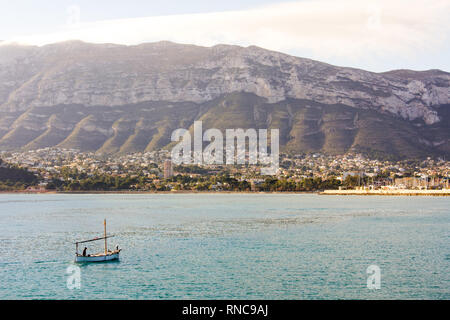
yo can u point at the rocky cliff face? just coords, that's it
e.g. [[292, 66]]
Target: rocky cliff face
[[37, 83]]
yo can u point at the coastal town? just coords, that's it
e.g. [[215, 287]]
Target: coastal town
[[57, 169]]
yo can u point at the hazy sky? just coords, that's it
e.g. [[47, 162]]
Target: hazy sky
[[376, 35]]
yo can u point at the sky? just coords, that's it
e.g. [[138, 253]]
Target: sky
[[375, 35]]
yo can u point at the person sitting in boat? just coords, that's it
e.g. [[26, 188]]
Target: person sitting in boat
[[84, 251]]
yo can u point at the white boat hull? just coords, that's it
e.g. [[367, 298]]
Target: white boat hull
[[97, 258]]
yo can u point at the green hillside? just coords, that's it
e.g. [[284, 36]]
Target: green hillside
[[15, 178]]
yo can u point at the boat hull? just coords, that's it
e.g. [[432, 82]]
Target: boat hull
[[97, 258]]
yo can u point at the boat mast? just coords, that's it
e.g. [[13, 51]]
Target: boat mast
[[104, 224]]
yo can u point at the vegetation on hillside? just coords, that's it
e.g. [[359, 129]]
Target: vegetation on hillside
[[15, 178], [72, 180]]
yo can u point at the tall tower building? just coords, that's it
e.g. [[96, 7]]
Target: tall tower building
[[168, 170]]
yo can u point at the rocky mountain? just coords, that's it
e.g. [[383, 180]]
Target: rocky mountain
[[113, 98]]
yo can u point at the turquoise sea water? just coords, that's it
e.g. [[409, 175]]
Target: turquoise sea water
[[227, 246]]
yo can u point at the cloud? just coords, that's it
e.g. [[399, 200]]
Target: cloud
[[324, 28]]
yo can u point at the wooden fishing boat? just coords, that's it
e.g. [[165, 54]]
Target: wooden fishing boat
[[107, 255]]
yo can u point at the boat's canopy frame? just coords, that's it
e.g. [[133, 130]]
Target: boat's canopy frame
[[84, 241], [95, 239]]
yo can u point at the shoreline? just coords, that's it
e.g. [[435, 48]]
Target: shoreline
[[400, 192], [158, 192]]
